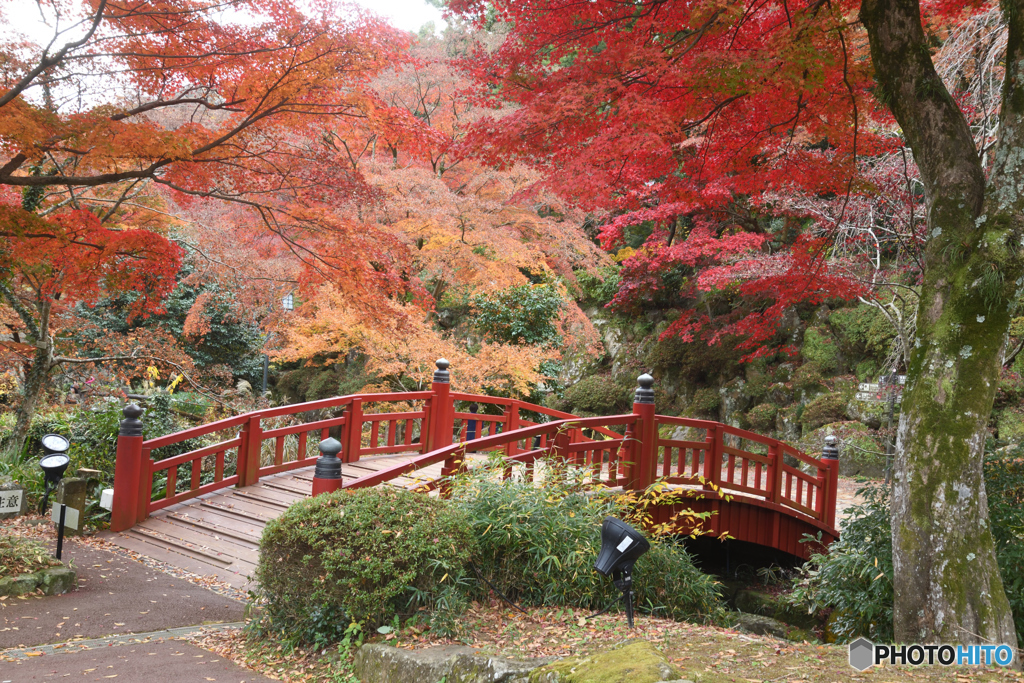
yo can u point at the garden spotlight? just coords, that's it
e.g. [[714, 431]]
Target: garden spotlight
[[54, 462], [621, 547]]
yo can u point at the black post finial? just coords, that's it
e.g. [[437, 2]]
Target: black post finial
[[328, 466], [131, 425], [831, 449], [442, 374], [644, 392]]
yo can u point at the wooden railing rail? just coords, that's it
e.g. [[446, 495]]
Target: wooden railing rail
[[710, 456]]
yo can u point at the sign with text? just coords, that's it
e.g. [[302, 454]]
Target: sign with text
[[10, 500]]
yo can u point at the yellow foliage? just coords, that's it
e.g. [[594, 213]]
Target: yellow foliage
[[400, 344]]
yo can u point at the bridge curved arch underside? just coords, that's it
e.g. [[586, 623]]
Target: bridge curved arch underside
[[207, 507]]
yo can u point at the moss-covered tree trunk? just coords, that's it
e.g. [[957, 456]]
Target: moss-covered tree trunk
[[37, 375], [947, 582]]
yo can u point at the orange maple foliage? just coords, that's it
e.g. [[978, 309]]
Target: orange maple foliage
[[401, 345]]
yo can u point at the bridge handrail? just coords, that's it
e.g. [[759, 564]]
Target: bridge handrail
[[633, 459]]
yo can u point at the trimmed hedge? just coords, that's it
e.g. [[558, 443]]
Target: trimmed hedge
[[362, 556]]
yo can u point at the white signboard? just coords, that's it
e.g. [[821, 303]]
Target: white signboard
[[10, 500], [70, 517]]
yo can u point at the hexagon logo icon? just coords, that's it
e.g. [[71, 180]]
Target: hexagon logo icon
[[862, 654]]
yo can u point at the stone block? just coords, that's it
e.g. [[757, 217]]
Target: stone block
[[379, 663], [766, 626], [58, 580], [8, 489], [759, 602], [23, 584]]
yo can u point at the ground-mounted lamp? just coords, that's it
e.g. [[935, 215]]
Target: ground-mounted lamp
[[54, 462], [621, 547]]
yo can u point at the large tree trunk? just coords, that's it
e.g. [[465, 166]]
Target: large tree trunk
[[947, 582], [37, 375], [35, 385]]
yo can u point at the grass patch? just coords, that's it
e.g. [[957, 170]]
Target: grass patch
[[23, 556]]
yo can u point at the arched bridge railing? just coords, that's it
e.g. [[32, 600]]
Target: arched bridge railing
[[632, 450]]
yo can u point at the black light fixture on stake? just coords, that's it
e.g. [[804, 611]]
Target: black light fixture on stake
[[621, 547], [54, 462]]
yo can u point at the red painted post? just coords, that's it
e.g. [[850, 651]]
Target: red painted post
[[327, 474], [354, 431], [830, 458], [512, 424], [775, 473], [441, 407], [645, 449], [443, 423], [253, 446], [713, 456], [127, 470]]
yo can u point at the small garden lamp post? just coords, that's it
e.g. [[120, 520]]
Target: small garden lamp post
[[621, 547], [54, 462]]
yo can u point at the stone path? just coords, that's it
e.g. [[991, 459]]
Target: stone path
[[847, 496], [115, 595], [158, 660], [138, 611]]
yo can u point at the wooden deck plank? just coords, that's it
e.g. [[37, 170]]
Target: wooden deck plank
[[221, 547]]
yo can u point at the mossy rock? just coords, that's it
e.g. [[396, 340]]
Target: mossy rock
[[759, 602], [23, 584], [636, 662]]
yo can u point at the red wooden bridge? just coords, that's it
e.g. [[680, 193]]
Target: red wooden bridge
[[204, 509]]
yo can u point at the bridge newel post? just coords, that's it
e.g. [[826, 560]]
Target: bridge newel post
[[128, 470], [327, 474], [442, 410], [829, 471], [645, 433], [248, 465]]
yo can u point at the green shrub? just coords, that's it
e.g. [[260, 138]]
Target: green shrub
[[362, 556], [762, 418], [521, 314], [854, 579], [705, 401], [863, 332], [537, 544], [819, 347], [823, 410], [1004, 486], [601, 287], [809, 377], [866, 371], [596, 395]]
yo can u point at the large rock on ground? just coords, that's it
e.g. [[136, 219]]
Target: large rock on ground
[[766, 626], [378, 663], [759, 602], [637, 662]]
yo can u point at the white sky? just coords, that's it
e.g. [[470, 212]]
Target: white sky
[[409, 15]]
